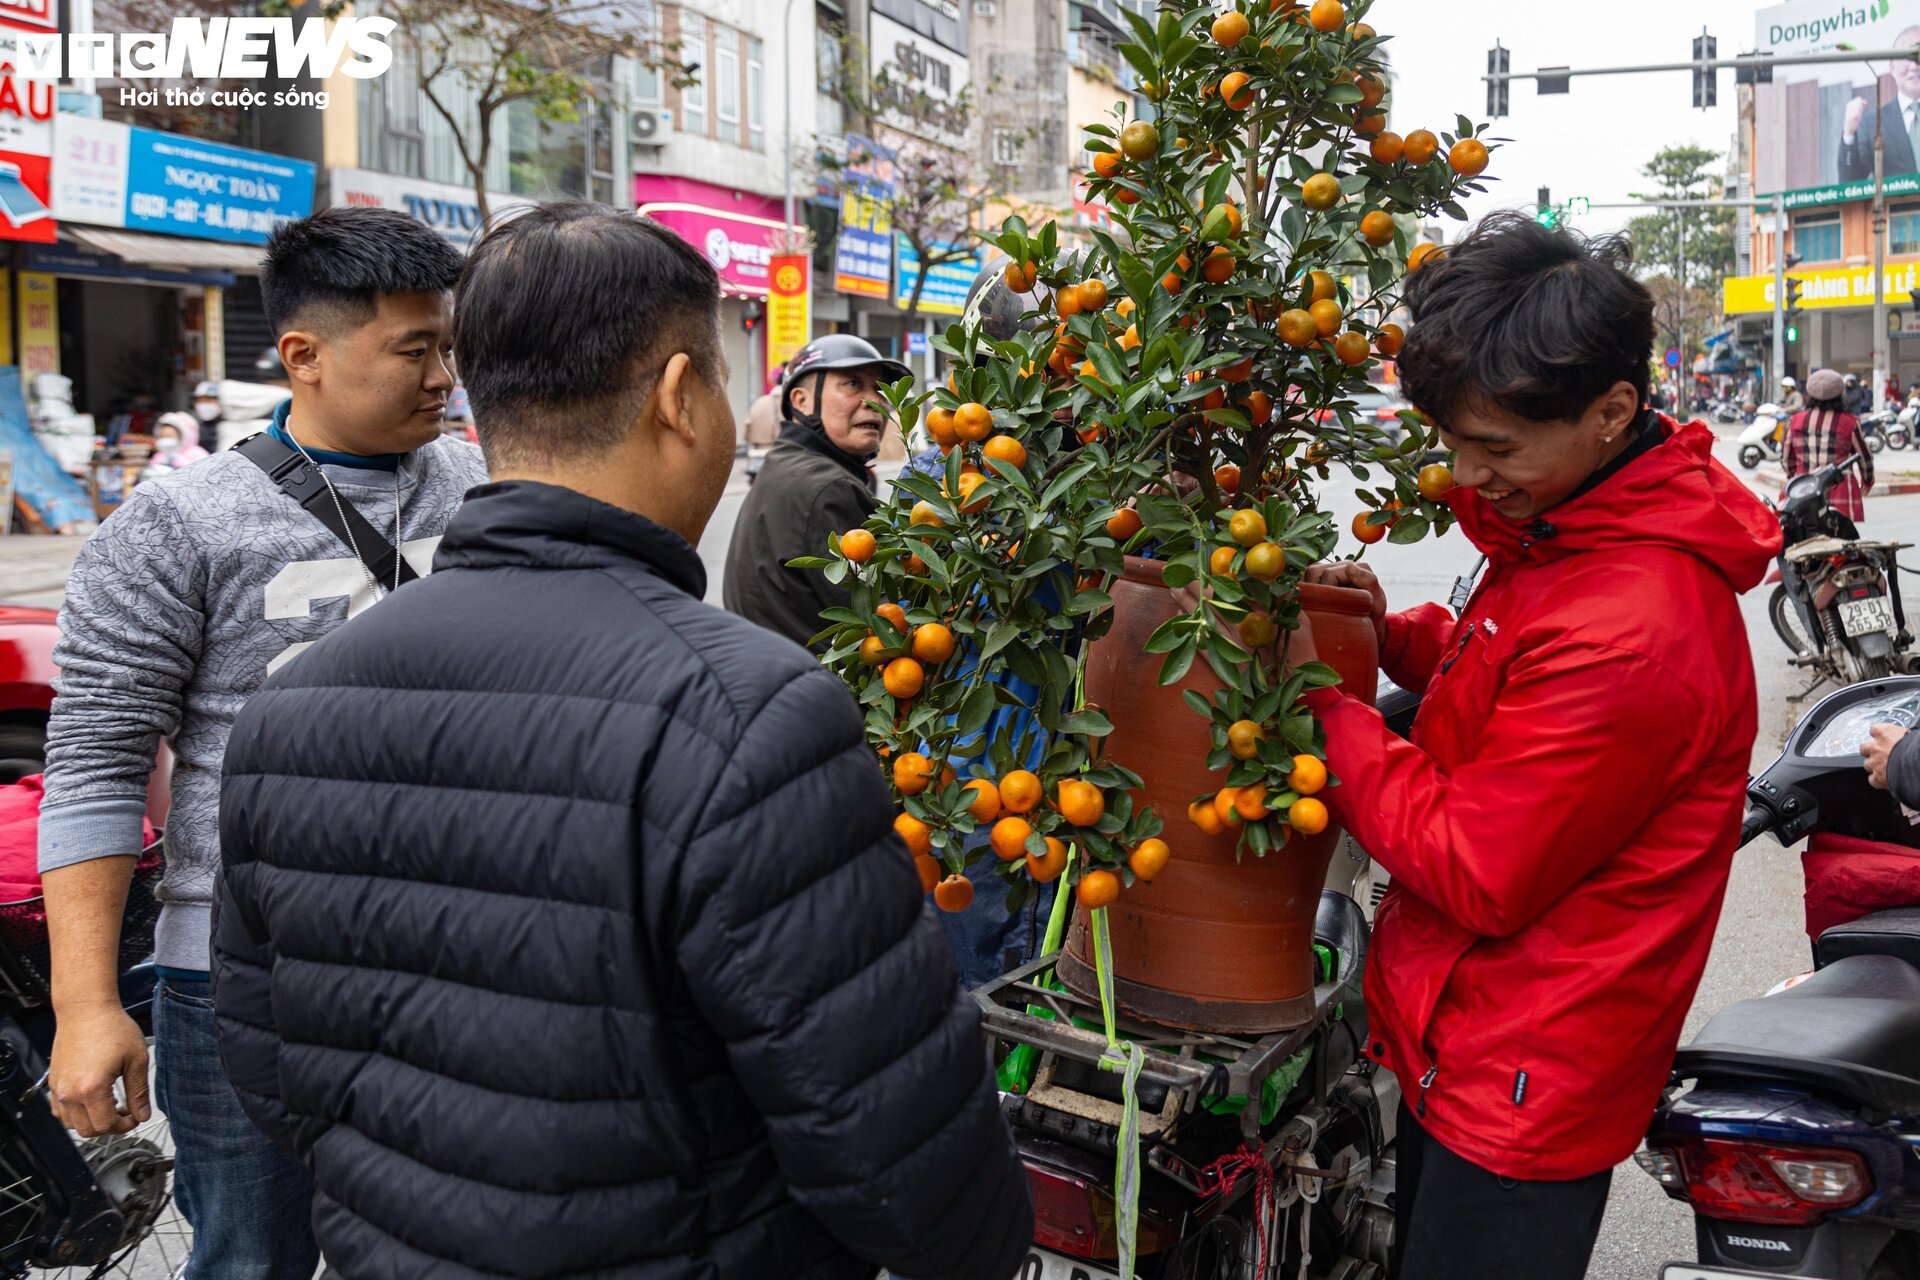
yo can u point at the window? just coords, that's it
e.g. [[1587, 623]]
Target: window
[[1817, 238], [756, 111], [648, 86], [1903, 228], [600, 149], [726, 87], [829, 42], [693, 98], [1006, 147]]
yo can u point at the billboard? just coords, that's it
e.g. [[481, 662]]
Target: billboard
[[948, 284], [1815, 126]]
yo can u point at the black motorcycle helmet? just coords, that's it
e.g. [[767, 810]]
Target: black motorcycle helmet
[[267, 366], [822, 356], [1000, 312]]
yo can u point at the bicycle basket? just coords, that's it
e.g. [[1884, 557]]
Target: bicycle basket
[[25, 961]]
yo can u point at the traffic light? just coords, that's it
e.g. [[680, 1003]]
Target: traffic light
[[1544, 213], [1706, 80], [1793, 295], [1499, 61], [1793, 333]]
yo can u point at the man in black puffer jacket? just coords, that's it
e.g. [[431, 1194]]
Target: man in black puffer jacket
[[562, 930]]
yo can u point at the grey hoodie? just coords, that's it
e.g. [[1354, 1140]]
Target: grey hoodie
[[178, 607]]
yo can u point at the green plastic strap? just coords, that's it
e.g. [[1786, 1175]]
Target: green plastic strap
[[1126, 1191]]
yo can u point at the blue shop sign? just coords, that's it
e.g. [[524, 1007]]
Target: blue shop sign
[[65, 260], [212, 191]]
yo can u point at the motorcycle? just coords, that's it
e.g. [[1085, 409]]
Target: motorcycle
[[76, 1208], [1837, 605], [1908, 421], [1303, 1169], [1883, 431], [1763, 437], [1795, 1144]]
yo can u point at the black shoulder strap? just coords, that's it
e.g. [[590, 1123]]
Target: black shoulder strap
[[306, 486]]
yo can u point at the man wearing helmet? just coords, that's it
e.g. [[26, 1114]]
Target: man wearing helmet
[[816, 481]]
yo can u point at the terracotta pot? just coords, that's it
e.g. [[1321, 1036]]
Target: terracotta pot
[[1211, 944]]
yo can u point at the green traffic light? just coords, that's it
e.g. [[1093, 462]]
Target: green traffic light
[[1547, 217], [1793, 333]]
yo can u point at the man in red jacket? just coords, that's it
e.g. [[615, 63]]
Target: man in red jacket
[[1560, 828]]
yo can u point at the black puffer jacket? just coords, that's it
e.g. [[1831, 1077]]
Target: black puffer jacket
[[563, 933], [807, 490]]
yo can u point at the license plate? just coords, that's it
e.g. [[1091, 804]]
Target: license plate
[[1694, 1271], [1042, 1265], [1864, 617]]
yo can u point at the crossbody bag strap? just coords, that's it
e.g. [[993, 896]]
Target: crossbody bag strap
[[302, 481]]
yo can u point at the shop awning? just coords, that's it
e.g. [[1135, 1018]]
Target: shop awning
[[169, 251]]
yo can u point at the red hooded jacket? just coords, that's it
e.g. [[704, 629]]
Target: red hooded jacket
[[1560, 829]]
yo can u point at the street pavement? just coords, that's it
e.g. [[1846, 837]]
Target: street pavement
[[1759, 940]]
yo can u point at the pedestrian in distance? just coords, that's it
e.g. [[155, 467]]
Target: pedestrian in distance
[[1791, 401], [1560, 828], [201, 584], [818, 481], [1823, 434], [563, 929], [762, 431]]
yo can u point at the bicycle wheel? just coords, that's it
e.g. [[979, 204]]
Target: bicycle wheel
[[1786, 623], [125, 1167]]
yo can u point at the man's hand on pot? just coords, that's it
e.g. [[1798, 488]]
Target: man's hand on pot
[[1877, 748], [1348, 573]]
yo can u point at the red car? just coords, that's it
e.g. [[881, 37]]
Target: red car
[[26, 687]]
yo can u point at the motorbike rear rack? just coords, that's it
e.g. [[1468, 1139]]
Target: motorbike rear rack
[[1173, 1055]]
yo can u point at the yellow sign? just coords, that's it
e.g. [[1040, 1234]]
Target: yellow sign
[[6, 330], [1820, 290], [788, 323], [39, 324]]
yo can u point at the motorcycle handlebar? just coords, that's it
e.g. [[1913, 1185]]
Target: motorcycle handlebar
[[1757, 821]]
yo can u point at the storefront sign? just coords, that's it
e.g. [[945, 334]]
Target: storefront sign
[[447, 208], [65, 260], [26, 148], [108, 174], [788, 322], [1905, 184], [917, 83], [1836, 287], [35, 15], [735, 230], [210, 190], [863, 255], [39, 324], [947, 284]]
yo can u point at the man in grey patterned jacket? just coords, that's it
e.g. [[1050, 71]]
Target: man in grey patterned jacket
[[182, 603]]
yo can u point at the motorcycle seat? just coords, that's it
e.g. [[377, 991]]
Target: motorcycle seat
[[1895, 932], [1821, 546], [1852, 1028]]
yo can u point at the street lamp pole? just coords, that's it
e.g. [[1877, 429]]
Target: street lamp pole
[[786, 80], [1779, 292], [1880, 352]]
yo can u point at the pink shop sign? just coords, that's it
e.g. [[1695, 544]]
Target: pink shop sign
[[738, 241]]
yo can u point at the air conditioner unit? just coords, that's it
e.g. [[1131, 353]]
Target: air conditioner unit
[[651, 127]]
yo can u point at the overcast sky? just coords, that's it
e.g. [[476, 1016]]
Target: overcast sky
[[1590, 142]]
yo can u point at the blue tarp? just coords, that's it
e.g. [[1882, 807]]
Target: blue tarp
[[38, 482]]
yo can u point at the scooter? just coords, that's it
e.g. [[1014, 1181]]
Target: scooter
[[1762, 438], [1837, 606], [1303, 1170], [1798, 1142]]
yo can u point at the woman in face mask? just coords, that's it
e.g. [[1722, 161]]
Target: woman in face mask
[[176, 441], [206, 409]]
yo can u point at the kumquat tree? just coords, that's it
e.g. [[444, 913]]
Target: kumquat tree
[[1179, 390]]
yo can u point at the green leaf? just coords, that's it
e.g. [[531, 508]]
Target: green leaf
[[1199, 704], [998, 638], [1343, 94], [1316, 675], [1180, 660], [1064, 483], [1089, 601], [1108, 365], [1178, 574], [1412, 528], [1141, 59], [975, 712], [1169, 635], [1094, 723], [836, 572]]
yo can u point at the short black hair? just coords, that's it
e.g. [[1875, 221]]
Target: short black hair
[[1534, 320], [328, 271], [564, 318]]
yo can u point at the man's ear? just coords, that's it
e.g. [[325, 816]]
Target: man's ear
[[300, 353], [802, 397], [673, 396]]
